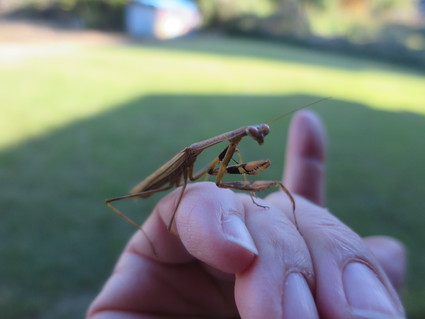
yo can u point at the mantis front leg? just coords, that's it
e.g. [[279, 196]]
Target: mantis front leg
[[250, 168]]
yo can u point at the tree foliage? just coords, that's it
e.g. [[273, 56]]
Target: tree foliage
[[275, 16], [100, 14]]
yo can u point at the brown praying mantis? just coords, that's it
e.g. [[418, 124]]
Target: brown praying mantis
[[180, 169]]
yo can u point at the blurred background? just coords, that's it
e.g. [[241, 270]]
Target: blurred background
[[96, 94]]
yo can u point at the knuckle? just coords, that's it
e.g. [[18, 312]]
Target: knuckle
[[336, 237]]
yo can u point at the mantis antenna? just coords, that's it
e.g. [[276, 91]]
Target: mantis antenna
[[297, 109]]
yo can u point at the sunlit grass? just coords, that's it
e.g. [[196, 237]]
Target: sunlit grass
[[39, 94]]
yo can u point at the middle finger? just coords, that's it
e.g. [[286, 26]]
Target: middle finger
[[278, 283]]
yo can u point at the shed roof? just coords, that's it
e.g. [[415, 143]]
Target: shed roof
[[169, 4]]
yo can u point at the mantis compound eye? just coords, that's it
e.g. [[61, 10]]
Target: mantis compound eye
[[265, 129]]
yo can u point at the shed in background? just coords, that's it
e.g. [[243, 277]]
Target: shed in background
[[161, 19]]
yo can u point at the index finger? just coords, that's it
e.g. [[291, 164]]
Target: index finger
[[209, 225]]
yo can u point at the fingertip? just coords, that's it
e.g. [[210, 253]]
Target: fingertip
[[235, 230], [309, 135], [210, 223]]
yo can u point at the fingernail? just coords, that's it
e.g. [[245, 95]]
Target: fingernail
[[367, 294], [235, 230], [298, 302]]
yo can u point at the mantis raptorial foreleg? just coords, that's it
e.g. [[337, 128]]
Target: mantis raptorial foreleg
[[250, 168], [222, 160], [251, 194]]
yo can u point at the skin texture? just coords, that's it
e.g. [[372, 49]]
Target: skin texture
[[233, 259]]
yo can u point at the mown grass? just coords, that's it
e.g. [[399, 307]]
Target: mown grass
[[81, 127]]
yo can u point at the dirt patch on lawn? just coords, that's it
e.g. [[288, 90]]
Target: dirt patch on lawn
[[33, 32], [24, 39]]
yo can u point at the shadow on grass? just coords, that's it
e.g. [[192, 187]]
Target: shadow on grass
[[59, 242]]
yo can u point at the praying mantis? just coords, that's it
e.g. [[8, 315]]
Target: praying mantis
[[180, 169]]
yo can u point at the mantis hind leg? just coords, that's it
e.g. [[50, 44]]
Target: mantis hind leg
[[128, 219], [173, 216]]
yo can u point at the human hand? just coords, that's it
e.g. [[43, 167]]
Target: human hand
[[233, 259]]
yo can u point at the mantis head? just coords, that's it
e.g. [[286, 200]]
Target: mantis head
[[258, 132]]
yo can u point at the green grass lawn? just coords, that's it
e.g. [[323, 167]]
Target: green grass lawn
[[81, 127]]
